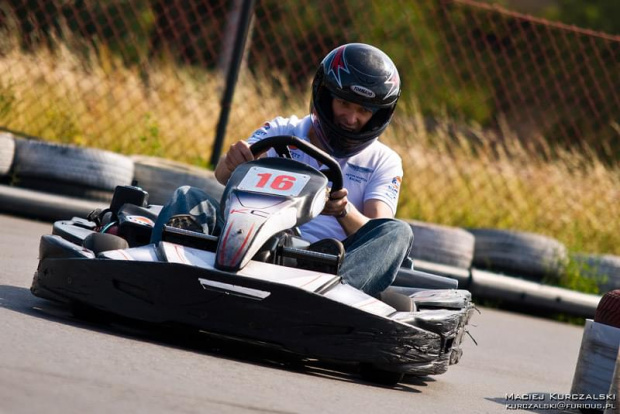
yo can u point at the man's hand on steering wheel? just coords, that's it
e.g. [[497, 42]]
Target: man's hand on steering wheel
[[336, 203], [238, 153]]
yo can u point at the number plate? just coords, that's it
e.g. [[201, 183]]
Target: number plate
[[269, 181]]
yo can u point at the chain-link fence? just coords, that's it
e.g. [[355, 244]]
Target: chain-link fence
[[505, 120]]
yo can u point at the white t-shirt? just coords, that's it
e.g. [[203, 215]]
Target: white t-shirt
[[373, 174]]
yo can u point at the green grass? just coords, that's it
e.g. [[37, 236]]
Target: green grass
[[471, 178]]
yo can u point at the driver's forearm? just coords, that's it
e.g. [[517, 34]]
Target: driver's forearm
[[222, 174], [353, 221]]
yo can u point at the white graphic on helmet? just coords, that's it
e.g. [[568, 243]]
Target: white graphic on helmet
[[360, 90], [394, 81]]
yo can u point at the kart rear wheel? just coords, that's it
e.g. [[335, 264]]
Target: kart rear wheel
[[372, 373]]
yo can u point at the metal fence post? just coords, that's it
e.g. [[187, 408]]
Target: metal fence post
[[231, 78]]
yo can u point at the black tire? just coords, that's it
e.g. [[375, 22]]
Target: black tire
[[102, 242], [7, 152], [372, 373], [88, 167], [50, 207], [605, 269], [608, 309], [160, 177], [529, 255], [446, 245], [53, 186]]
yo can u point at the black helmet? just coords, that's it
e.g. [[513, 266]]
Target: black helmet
[[357, 73]]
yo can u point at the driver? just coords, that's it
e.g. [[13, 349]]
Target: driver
[[354, 94]]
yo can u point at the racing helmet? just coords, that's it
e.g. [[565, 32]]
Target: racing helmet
[[357, 73]]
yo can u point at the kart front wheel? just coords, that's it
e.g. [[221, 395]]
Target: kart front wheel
[[372, 373]]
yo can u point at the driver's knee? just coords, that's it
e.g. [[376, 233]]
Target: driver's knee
[[404, 235], [397, 230], [402, 229]]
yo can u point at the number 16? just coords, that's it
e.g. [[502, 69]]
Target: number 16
[[279, 182]]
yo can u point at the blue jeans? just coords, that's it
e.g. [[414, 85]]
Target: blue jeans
[[372, 257]]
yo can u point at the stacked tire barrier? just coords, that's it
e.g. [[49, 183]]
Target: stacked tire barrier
[[605, 269], [49, 181], [55, 181], [501, 265], [70, 170], [518, 253], [52, 181]]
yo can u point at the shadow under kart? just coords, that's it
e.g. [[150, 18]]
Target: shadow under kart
[[256, 282]]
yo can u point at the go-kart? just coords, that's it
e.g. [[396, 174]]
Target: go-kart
[[257, 281]]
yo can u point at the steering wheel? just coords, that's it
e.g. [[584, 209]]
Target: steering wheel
[[281, 142]]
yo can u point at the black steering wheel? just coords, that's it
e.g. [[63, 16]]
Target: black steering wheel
[[281, 142]]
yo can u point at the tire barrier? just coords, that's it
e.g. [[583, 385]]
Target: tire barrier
[[41, 206], [440, 244], [70, 170], [527, 294], [160, 177], [527, 255], [604, 269], [462, 276], [7, 151]]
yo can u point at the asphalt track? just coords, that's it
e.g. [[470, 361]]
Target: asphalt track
[[51, 362]]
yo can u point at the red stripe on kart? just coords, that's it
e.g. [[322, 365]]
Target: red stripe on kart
[[243, 244], [223, 246]]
